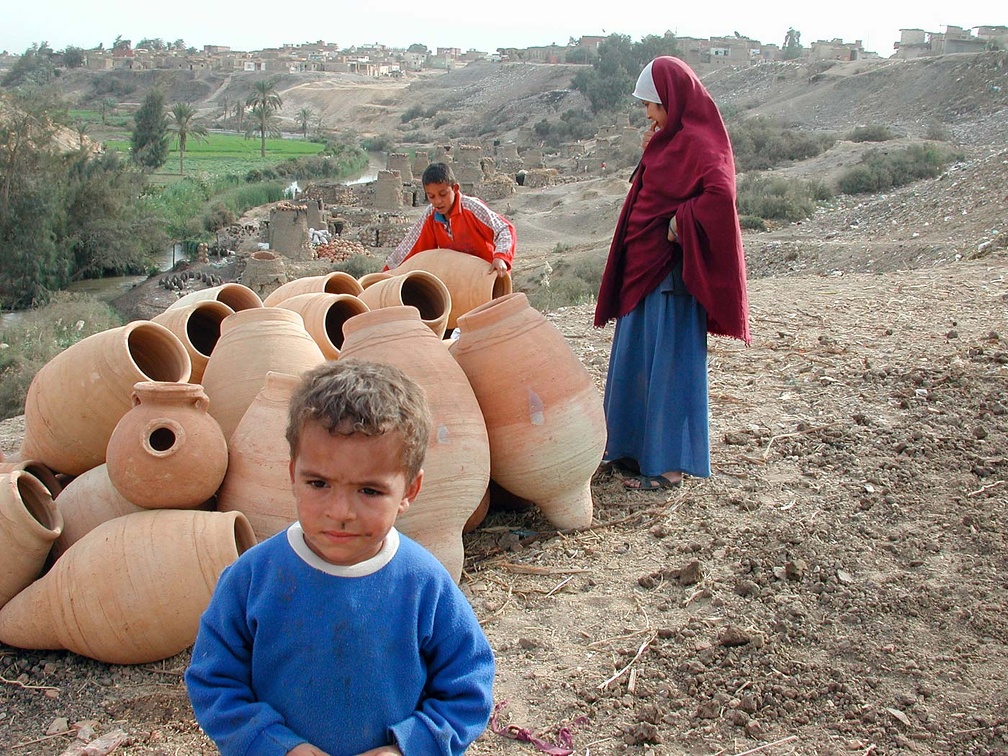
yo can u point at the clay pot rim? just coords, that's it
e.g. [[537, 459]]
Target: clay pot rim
[[44, 517]]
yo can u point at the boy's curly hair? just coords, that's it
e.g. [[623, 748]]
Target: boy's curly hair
[[355, 396]]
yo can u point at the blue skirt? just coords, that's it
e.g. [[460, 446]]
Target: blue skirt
[[656, 403]]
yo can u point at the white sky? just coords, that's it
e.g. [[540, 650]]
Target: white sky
[[478, 24]]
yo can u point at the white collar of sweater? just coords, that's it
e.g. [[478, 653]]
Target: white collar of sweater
[[295, 537]]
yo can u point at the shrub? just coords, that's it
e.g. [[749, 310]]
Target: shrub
[[39, 335], [777, 198], [570, 281], [761, 143], [752, 223], [360, 265], [873, 133], [937, 132], [414, 111], [882, 170], [378, 143]]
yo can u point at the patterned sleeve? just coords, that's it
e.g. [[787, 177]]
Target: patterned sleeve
[[504, 242], [404, 247]]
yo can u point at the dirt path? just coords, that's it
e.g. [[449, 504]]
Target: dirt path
[[837, 584]]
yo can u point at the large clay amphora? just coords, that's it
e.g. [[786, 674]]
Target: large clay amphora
[[87, 501], [469, 279], [235, 295], [198, 327], [457, 467], [76, 399], [167, 452], [336, 282], [132, 590], [543, 413], [252, 343], [258, 482], [324, 316], [415, 288], [29, 525]]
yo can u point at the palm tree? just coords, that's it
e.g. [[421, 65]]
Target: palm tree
[[303, 117], [264, 102], [238, 111], [182, 124]]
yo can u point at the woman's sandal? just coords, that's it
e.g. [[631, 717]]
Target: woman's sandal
[[650, 483]]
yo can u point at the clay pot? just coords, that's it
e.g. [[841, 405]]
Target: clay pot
[[198, 327], [252, 343], [76, 399], [235, 295], [167, 452], [132, 590], [336, 282], [45, 476], [258, 482], [29, 524], [466, 277], [457, 467], [543, 413], [369, 279], [415, 288], [324, 316], [87, 501]]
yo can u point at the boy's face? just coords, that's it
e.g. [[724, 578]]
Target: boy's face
[[349, 491], [441, 196]]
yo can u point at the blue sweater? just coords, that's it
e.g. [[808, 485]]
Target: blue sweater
[[292, 649]]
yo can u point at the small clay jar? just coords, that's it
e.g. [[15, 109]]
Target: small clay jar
[[167, 451]]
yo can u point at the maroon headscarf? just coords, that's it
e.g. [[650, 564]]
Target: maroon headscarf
[[687, 170]]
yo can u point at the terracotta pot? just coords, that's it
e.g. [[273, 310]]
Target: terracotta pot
[[336, 282], [76, 399], [457, 467], [415, 288], [369, 279], [258, 482], [167, 452], [235, 295], [466, 277], [198, 327], [252, 343], [543, 413], [132, 590], [29, 525], [324, 316], [46, 476], [85, 503]]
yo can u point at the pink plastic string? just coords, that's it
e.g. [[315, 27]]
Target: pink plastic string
[[565, 738]]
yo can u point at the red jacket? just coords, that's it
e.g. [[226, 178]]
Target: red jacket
[[470, 227]]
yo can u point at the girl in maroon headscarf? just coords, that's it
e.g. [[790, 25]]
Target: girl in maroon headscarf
[[676, 272]]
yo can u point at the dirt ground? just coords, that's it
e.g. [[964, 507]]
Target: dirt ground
[[837, 586]]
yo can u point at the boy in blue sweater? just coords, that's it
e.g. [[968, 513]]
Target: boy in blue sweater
[[340, 636]]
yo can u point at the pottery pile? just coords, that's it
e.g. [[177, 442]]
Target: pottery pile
[[155, 453]]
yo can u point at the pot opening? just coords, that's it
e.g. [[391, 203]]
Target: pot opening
[[161, 439]]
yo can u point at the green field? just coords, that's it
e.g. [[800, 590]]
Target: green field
[[223, 154]]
